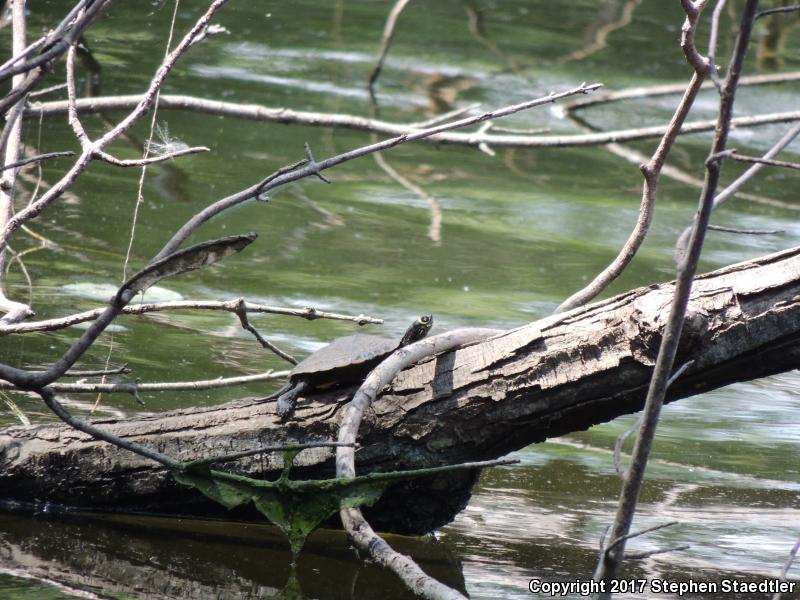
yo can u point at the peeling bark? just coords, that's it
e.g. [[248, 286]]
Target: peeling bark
[[561, 374]]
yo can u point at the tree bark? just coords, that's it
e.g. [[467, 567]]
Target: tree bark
[[563, 373]]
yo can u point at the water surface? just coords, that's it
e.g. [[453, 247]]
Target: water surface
[[520, 231]]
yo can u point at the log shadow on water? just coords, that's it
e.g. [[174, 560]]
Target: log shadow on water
[[136, 555]]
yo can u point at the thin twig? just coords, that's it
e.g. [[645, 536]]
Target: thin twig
[[635, 534], [48, 90], [788, 565], [730, 191], [780, 9], [241, 312], [193, 257], [56, 43], [121, 370], [69, 22], [745, 231], [649, 553], [72, 96], [672, 172], [623, 437], [441, 118], [667, 89], [37, 158], [764, 161]]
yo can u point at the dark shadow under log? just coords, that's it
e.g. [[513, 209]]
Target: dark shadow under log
[[561, 374]]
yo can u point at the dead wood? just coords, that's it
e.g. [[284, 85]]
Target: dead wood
[[561, 374]]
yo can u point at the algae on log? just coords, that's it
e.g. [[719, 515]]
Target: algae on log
[[563, 373]]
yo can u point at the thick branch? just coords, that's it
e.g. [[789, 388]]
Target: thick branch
[[564, 373]]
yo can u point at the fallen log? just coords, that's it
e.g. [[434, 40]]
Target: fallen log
[[563, 373]]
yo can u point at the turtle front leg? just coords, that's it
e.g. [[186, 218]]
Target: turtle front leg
[[288, 400]]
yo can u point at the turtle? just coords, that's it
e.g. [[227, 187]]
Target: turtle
[[345, 360]]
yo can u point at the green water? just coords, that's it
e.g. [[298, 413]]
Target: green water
[[520, 231]]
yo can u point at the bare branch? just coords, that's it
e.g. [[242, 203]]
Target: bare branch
[[72, 113], [284, 115], [165, 386], [37, 158], [49, 397], [56, 43], [357, 527], [611, 558], [712, 42], [316, 167], [678, 174], [764, 161], [635, 534], [10, 148], [241, 312], [48, 90], [623, 437], [206, 462], [141, 162], [674, 88], [193, 257], [780, 9], [651, 172], [745, 231], [121, 370], [730, 191], [142, 106], [69, 22], [788, 565], [648, 554], [139, 309], [452, 114]]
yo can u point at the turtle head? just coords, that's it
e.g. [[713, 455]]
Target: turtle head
[[418, 330]]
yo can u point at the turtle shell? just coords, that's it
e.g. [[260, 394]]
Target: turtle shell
[[344, 359]]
